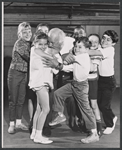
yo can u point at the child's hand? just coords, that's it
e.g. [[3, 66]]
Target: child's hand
[[64, 56], [69, 59], [49, 62], [65, 63]]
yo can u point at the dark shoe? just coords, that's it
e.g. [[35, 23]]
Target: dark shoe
[[72, 124], [30, 126], [30, 129], [82, 126], [99, 129], [46, 131]]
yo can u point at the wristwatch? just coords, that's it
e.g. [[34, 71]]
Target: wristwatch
[[59, 66]]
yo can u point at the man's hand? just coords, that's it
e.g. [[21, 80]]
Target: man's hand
[[69, 59], [64, 56], [48, 62]]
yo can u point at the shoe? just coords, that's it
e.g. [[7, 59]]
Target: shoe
[[30, 130], [82, 126], [114, 121], [42, 140], [91, 139], [11, 129], [73, 125], [21, 126], [100, 133], [30, 127], [46, 131], [59, 119], [109, 130], [99, 129], [32, 136]]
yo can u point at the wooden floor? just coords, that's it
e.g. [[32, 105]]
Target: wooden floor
[[62, 135]]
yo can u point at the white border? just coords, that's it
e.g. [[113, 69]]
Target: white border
[[2, 67]]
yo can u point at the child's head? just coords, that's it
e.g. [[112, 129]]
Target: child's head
[[56, 39], [95, 41], [79, 31], [41, 41], [109, 38], [43, 27], [81, 45], [24, 31]]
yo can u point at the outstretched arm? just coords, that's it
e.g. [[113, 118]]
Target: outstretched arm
[[70, 59], [42, 54], [51, 62], [95, 53]]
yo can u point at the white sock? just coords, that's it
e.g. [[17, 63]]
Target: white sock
[[94, 130], [12, 123], [61, 114], [39, 133], [33, 131], [18, 121]]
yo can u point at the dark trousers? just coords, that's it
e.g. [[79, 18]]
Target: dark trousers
[[106, 88], [80, 92], [17, 92]]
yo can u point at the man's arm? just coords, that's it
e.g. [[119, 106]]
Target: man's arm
[[51, 62]]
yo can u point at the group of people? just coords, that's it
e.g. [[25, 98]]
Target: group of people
[[77, 71]]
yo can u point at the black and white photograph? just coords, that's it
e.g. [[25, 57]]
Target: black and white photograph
[[60, 74]]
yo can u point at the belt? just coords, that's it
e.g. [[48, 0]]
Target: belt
[[106, 77]]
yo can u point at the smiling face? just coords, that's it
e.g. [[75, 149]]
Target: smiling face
[[56, 40], [41, 44], [26, 34], [94, 41], [106, 41], [79, 33], [79, 48]]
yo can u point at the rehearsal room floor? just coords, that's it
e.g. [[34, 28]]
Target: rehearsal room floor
[[62, 135]]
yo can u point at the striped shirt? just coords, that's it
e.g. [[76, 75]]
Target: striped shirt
[[95, 61]]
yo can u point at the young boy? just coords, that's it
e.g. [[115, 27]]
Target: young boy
[[79, 89], [106, 81], [75, 117], [17, 76], [79, 31], [93, 78]]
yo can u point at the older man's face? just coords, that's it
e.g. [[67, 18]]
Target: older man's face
[[54, 46]]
